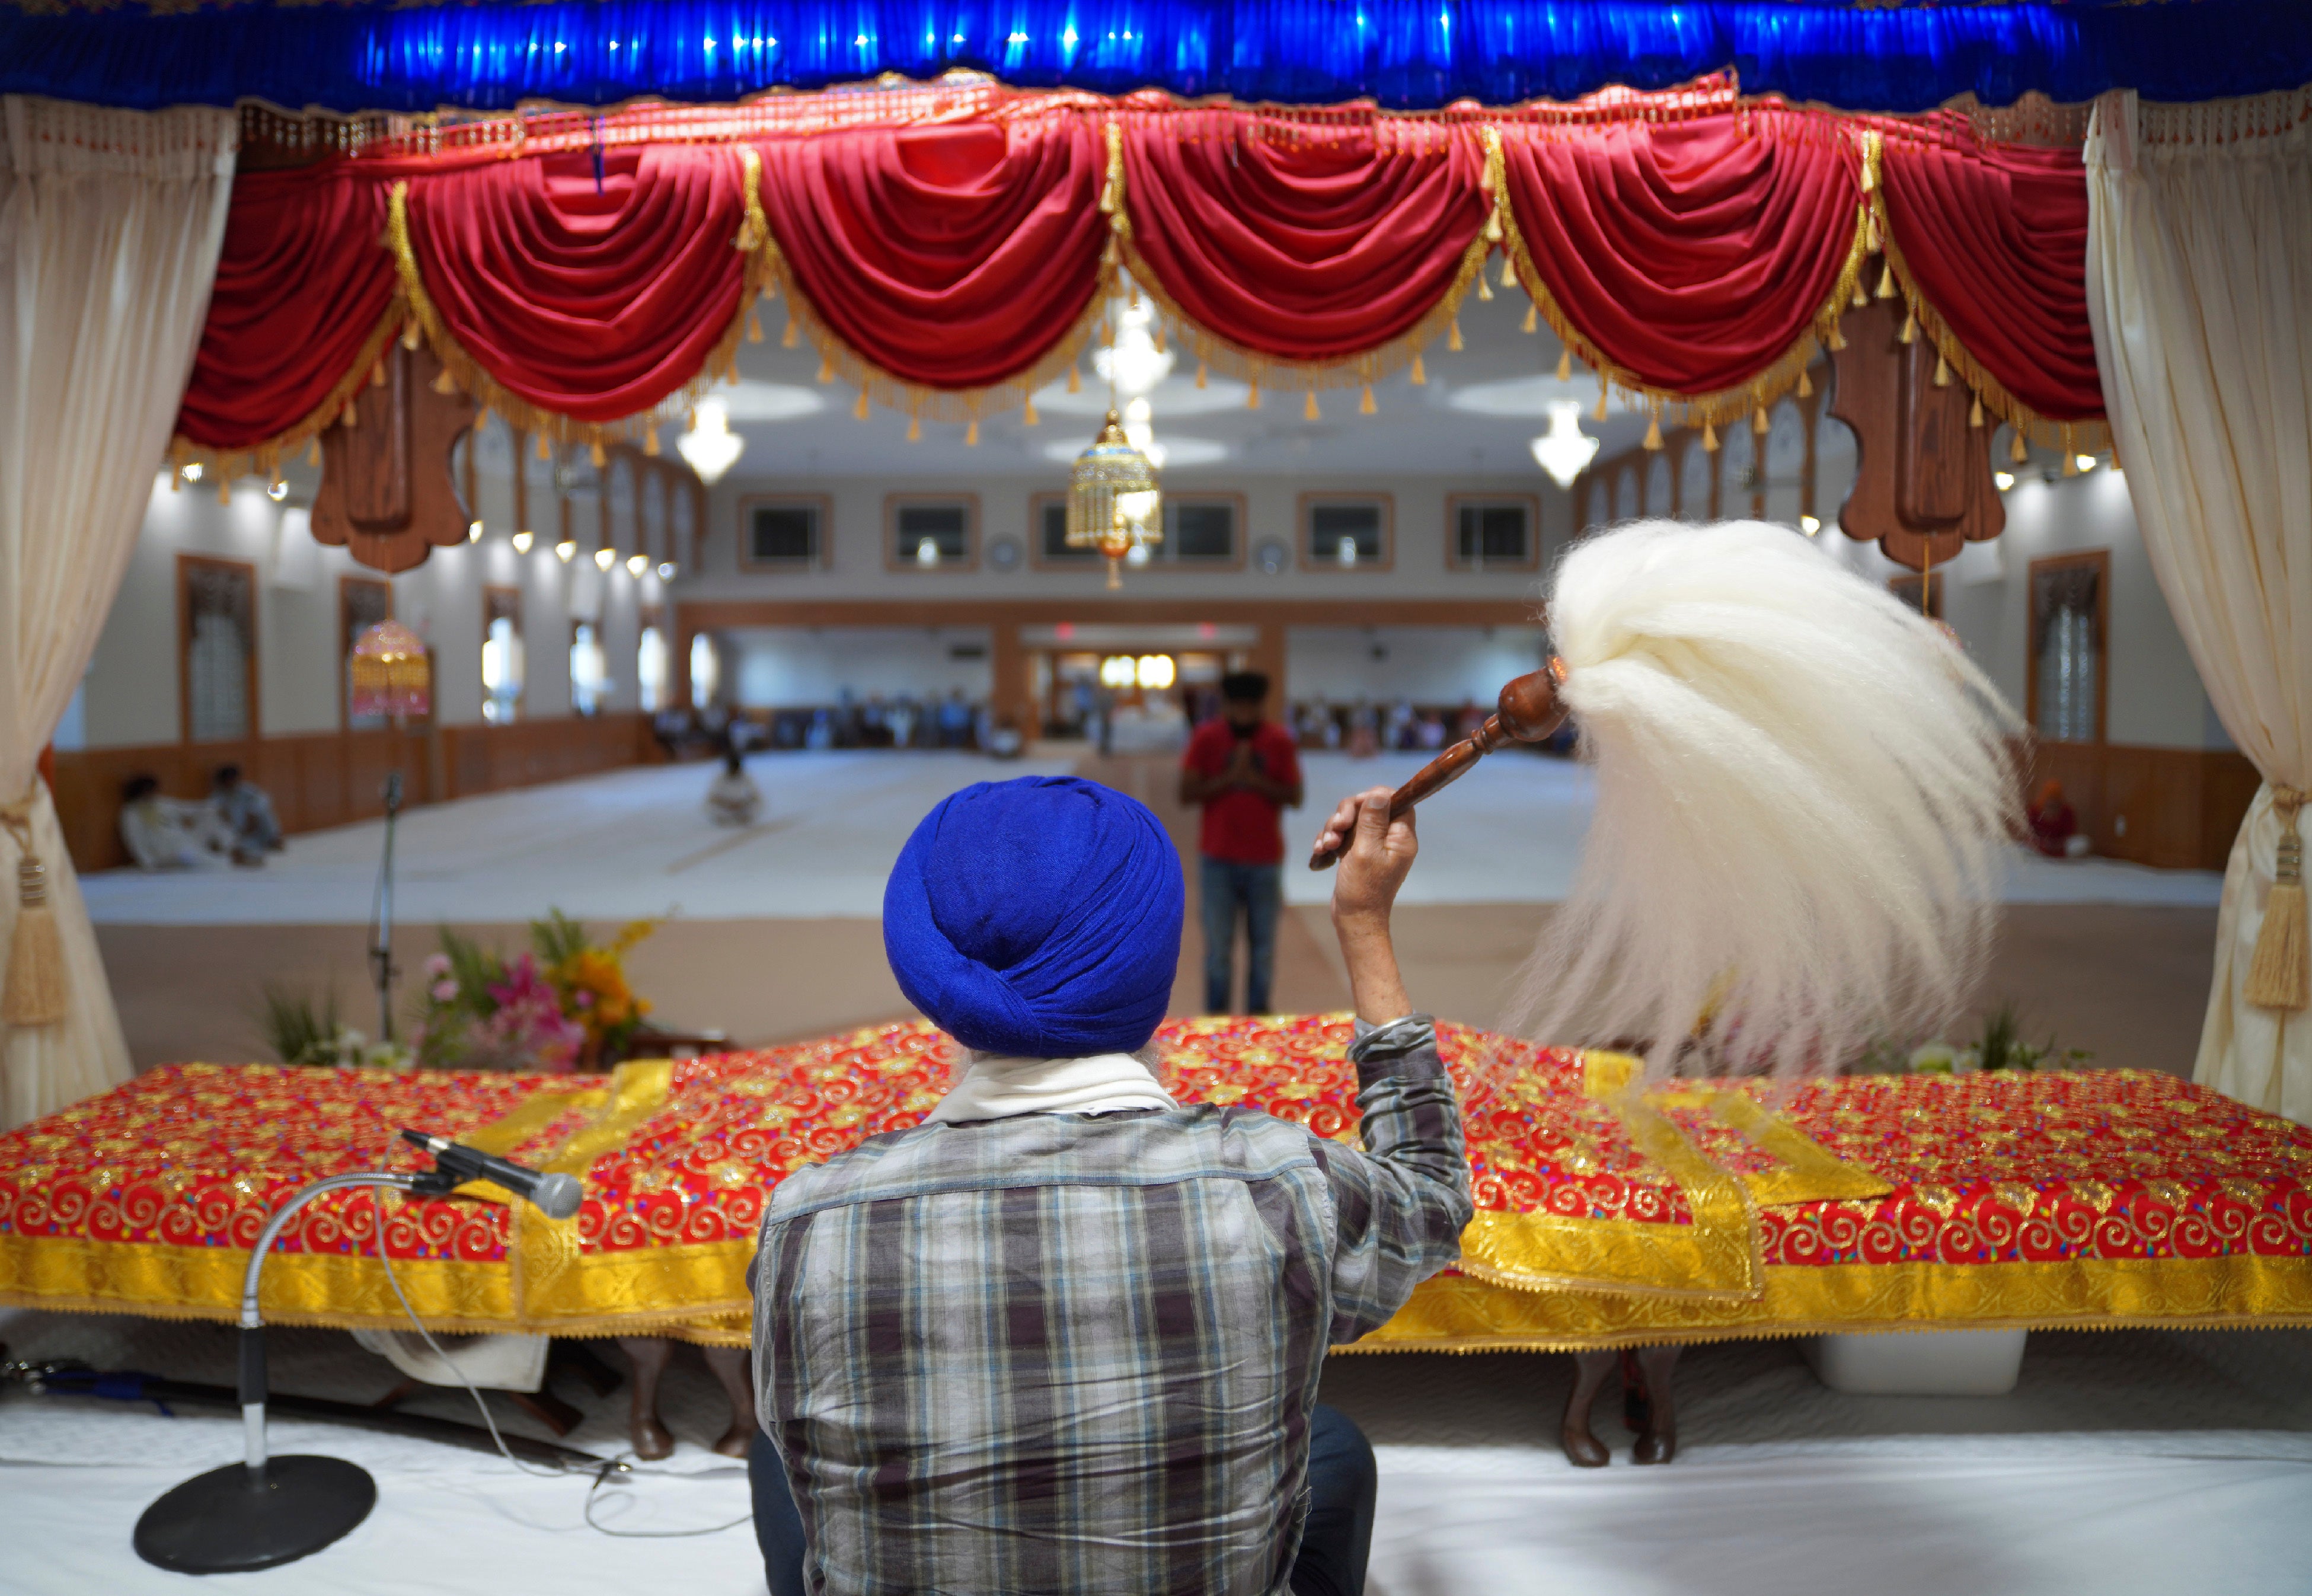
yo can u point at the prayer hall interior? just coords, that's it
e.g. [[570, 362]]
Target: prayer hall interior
[[513, 515]]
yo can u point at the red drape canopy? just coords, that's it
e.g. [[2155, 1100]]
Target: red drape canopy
[[1989, 242], [988, 231], [299, 313], [1693, 257], [1340, 245], [582, 275]]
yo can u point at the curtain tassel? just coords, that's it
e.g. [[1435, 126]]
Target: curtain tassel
[[1909, 329], [1710, 437], [1758, 423], [597, 454], [1453, 336], [1252, 395], [1942, 369], [1837, 339], [826, 368], [1508, 276], [2017, 450], [1974, 414], [1027, 412], [35, 991], [1653, 430], [1484, 288], [1420, 372], [1886, 282], [1157, 337], [410, 337], [860, 409], [377, 374], [1602, 391], [444, 383], [313, 451], [754, 325], [1309, 411], [1806, 384], [1532, 322], [915, 428], [1565, 365], [545, 452], [649, 440], [971, 434], [1365, 403], [2278, 977], [1075, 380], [350, 417], [787, 338], [1201, 373]]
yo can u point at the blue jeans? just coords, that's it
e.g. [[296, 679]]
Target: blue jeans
[[1336, 1539], [1259, 888]]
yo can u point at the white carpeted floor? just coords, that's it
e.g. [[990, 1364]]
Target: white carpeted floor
[[2127, 1463], [637, 843]]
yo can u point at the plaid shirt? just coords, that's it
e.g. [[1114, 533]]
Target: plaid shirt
[[1077, 1353]]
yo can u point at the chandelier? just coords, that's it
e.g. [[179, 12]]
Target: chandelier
[[1114, 501], [1565, 451], [710, 446]]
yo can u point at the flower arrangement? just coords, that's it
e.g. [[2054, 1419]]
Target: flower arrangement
[[563, 1003], [306, 1030], [2000, 1047]]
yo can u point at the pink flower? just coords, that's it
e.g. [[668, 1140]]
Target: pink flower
[[585, 999], [443, 991], [437, 965]]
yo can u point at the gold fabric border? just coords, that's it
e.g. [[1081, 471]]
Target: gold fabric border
[[1453, 1313], [1809, 1172], [264, 458]]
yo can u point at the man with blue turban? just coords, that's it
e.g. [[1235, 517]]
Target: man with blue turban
[[1065, 1335]]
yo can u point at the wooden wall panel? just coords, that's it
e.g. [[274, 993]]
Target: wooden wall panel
[[2181, 806], [332, 778]]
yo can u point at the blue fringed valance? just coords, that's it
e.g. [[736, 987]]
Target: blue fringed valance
[[1406, 54]]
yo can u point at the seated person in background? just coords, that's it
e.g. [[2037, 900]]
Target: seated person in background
[[1083, 1354], [733, 798], [245, 812], [163, 833], [2055, 825], [1429, 731]]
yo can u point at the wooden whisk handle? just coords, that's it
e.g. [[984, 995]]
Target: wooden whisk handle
[[1527, 711]]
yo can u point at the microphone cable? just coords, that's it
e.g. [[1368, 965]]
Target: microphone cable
[[621, 1466]]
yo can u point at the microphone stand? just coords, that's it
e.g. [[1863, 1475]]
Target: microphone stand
[[266, 1511], [381, 952]]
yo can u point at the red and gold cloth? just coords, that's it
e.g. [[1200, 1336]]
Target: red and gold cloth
[[1605, 1215]]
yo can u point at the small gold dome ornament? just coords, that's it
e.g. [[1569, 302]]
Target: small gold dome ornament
[[391, 674], [1113, 500]]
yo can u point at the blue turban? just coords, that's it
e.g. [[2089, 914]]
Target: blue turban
[[1039, 918]]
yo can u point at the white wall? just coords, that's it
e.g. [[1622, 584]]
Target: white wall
[[1429, 665], [775, 667]]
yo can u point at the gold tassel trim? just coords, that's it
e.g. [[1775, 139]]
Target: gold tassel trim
[[650, 441], [788, 338], [1252, 394], [1942, 371], [1453, 336], [262, 459], [1886, 282], [597, 454], [1532, 322], [1419, 378], [1653, 429], [1910, 330], [1710, 437], [860, 409], [1365, 404], [1075, 379], [1974, 412], [1309, 411], [36, 989], [1203, 375], [1565, 365], [1484, 288], [2017, 450], [971, 433], [915, 427], [1028, 416], [754, 325], [2280, 972], [1805, 382]]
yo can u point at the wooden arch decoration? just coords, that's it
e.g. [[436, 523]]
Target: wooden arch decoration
[[387, 494]]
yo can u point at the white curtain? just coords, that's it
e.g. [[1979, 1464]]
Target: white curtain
[[2200, 291], [109, 226]]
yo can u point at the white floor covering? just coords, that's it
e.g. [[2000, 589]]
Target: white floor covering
[[637, 843], [2127, 1463]]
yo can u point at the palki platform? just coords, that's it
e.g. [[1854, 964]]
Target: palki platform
[[1609, 1217]]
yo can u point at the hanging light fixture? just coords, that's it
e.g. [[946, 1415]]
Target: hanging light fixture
[[1115, 502], [710, 445], [1565, 451], [391, 675]]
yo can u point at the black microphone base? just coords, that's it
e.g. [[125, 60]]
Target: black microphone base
[[228, 1522]]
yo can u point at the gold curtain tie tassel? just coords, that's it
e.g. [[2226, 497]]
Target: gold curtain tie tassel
[[2279, 970], [35, 989]]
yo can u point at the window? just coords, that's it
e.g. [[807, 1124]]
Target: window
[[502, 656], [361, 603], [1493, 532], [705, 671], [1346, 532], [1201, 530], [783, 533], [651, 661], [216, 645], [2070, 620], [589, 673], [1047, 514], [931, 534]]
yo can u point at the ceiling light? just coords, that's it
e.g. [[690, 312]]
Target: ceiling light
[[1155, 671], [473, 529], [565, 549], [521, 542], [636, 564], [603, 557], [2002, 480], [1135, 364], [276, 490], [1565, 451], [1347, 552], [1809, 525], [666, 571], [192, 470], [927, 554], [710, 445], [2086, 462]]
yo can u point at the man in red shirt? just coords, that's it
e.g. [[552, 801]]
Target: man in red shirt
[[1244, 770]]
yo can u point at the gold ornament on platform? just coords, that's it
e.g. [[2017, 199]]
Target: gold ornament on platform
[[1115, 504], [391, 675]]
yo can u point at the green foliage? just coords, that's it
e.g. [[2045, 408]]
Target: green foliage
[[558, 939], [299, 1030]]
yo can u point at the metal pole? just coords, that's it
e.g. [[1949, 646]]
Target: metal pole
[[381, 952]]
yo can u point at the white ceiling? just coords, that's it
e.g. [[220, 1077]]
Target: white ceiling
[[1477, 412]]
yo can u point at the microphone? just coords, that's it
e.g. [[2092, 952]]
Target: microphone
[[554, 1195]]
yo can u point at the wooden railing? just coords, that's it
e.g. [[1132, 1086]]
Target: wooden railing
[[331, 778], [2173, 808]]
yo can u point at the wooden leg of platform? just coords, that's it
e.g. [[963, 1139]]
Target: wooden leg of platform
[[1583, 1450], [548, 1410], [648, 1355], [730, 1364], [1658, 1439]]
